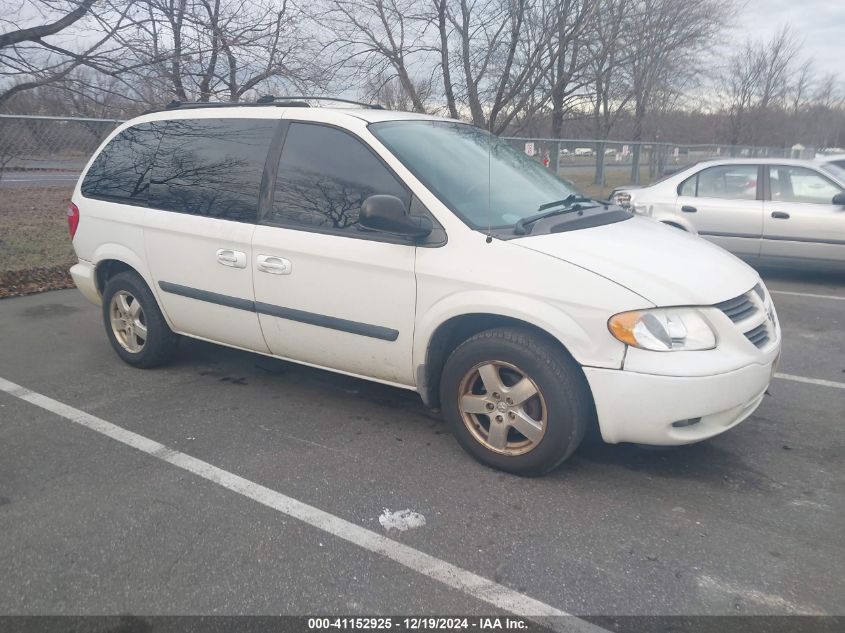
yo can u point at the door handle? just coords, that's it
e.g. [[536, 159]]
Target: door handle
[[780, 215], [233, 258], [274, 265], [688, 209]]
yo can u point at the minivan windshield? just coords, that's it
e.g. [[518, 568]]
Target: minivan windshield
[[480, 177]]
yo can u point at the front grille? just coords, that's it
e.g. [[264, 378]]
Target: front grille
[[749, 311], [739, 308], [758, 335]]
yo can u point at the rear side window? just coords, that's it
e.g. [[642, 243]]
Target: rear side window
[[733, 182], [212, 167], [121, 171], [324, 176]]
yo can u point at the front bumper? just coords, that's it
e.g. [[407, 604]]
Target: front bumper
[[640, 408], [85, 277]]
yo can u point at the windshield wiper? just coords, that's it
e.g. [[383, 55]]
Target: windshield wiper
[[570, 199], [570, 204]]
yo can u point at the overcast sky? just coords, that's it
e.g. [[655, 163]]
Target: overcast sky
[[821, 24]]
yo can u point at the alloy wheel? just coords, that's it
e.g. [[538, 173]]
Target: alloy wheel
[[502, 407], [128, 322]]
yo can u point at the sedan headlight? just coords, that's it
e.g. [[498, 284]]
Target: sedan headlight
[[663, 329], [641, 209]]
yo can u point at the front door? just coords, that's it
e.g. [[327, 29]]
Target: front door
[[723, 204], [800, 219], [198, 230], [328, 292]]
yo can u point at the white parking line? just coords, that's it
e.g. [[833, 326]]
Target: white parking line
[[471, 584], [805, 294], [812, 381]]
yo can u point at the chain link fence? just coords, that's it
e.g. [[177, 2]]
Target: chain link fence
[[597, 167], [40, 161]]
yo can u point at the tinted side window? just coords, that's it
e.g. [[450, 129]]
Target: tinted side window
[[324, 176], [212, 167], [122, 170], [735, 182], [798, 184]]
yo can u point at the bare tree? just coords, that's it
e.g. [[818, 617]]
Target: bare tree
[[502, 59], [381, 40], [568, 49], [666, 39], [43, 43], [608, 60], [763, 76], [222, 49], [391, 94]]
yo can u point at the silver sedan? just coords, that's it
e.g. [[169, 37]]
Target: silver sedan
[[764, 210]]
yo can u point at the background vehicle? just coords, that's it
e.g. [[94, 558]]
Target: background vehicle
[[765, 210], [426, 254], [837, 160]]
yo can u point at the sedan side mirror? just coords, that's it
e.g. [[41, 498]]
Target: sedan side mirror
[[388, 214], [839, 199]]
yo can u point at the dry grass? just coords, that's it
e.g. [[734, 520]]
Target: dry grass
[[35, 249], [583, 179]]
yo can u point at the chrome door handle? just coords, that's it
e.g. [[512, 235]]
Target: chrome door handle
[[274, 265], [233, 258]]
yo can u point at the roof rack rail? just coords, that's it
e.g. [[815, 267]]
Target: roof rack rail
[[271, 99], [173, 105]]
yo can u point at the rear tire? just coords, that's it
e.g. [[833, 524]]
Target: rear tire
[[134, 323], [515, 401]]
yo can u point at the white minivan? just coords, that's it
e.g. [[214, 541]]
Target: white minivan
[[426, 254]]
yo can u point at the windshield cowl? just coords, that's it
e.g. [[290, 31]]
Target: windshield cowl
[[585, 218]]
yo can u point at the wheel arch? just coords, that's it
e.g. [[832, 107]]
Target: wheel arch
[[455, 330], [110, 259], [675, 225]]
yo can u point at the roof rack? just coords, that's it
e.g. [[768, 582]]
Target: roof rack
[[271, 99], [285, 102]]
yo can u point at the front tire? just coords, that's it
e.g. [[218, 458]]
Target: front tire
[[515, 401], [134, 323]]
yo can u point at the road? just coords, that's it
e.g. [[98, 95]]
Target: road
[[95, 520], [37, 179]]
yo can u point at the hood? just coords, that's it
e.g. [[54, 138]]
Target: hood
[[664, 265]]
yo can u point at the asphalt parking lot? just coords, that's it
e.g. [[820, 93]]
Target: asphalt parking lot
[[94, 520]]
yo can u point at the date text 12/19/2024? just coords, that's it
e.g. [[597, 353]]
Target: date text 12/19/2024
[[418, 623]]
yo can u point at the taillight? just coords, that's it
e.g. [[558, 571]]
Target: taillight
[[72, 219]]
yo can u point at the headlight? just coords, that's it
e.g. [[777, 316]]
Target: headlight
[[663, 329], [641, 209], [622, 198]]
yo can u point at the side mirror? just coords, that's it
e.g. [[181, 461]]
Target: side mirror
[[388, 214], [839, 199]]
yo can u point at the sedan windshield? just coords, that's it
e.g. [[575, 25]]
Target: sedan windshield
[[481, 178], [837, 168]]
